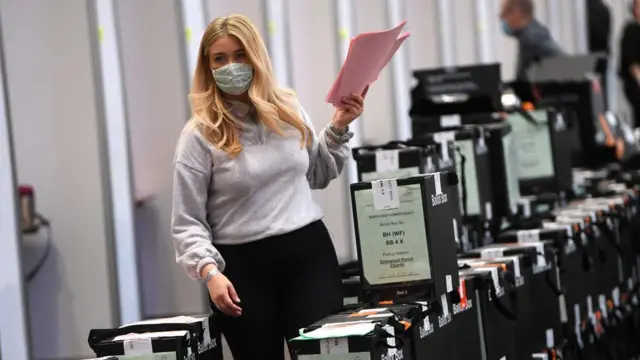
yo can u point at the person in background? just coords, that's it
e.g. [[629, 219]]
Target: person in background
[[629, 70], [244, 220], [599, 20], [534, 40]]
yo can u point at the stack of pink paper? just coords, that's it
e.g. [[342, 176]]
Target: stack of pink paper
[[369, 53]]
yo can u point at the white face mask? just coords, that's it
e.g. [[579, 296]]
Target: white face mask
[[234, 78]]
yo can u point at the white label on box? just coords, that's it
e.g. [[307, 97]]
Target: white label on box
[[589, 307], [438, 185], [615, 295], [602, 303], [445, 305], [334, 346], [387, 160], [526, 207], [527, 236], [551, 342], [516, 266], [456, 237], [430, 166], [137, 347], [542, 258], [391, 341], [452, 120], [206, 332], [491, 253], [385, 194], [541, 356], [449, 282], [489, 210]]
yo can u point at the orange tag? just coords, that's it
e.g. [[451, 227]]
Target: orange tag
[[462, 290]]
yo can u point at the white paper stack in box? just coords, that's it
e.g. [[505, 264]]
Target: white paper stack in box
[[179, 338]]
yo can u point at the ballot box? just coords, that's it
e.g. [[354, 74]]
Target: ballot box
[[181, 337], [544, 160], [406, 236], [390, 161], [367, 333], [494, 297], [448, 98], [503, 159]]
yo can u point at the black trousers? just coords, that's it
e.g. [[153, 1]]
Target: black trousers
[[632, 93], [284, 283]]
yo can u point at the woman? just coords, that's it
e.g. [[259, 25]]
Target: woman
[[629, 70], [244, 219]]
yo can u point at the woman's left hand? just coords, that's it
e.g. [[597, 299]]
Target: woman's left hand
[[352, 107]]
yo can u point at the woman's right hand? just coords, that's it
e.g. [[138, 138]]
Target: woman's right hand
[[224, 295]]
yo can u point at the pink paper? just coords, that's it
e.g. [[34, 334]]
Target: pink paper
[[369, 53]]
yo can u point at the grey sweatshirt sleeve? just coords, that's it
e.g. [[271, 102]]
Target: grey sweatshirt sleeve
[[328, 154], [192, 236]]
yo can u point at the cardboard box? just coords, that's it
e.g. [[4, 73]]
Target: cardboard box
[[406, 236], [180, 338]]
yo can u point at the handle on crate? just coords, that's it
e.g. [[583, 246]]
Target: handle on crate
[[509, 314], [608, 234], [98, 335], [463, 174]]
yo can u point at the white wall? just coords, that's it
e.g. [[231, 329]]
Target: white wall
[[466, 27], [155, 80], [422, 21], [314, 54], [378, 122], [59, 150]]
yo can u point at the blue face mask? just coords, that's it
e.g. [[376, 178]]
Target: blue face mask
[[234, 78], [506, 29]]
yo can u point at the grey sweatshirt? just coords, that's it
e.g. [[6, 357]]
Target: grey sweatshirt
[[262, 192]]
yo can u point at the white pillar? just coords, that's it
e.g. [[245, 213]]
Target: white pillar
[[396, 12], [107, 48], [345, 31], [195, 22], [485, 23], [277, 39], [581, 28], [14, 333], [446, 33], [554, 18]]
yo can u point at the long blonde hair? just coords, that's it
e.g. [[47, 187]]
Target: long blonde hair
[[273, 105]]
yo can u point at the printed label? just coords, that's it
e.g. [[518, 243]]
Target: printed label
[[393, 243], [334, 346], [491, 253], [452, 120], [387, 160], [137, 347], [385, 194], [527, 236], [550, 339]]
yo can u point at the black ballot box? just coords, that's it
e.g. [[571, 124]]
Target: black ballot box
[[390, 161], [180, 337], [544, 160], [497, 301], [466, 325], [504, 173], [406, 236], [450, 97], [365, 333]]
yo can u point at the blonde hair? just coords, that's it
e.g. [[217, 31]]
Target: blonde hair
[[273, 105]]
